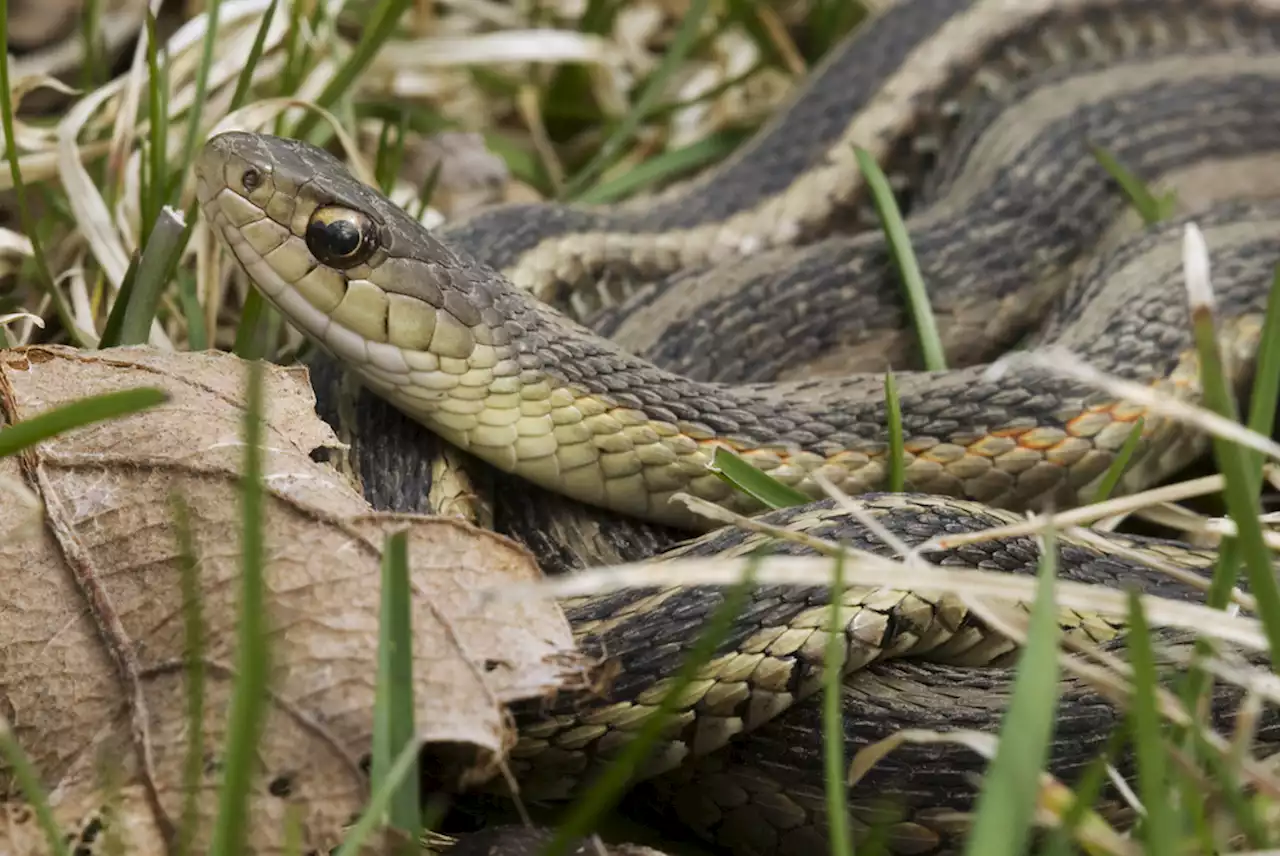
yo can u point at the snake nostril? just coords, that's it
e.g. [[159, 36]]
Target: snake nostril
[[250, 179]]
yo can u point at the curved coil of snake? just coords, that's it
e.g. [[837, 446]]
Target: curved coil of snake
[[750, 296]]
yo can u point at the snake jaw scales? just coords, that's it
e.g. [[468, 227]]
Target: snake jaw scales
[[447, 326]]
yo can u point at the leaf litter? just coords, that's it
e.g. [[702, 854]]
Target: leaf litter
[[92, 669]]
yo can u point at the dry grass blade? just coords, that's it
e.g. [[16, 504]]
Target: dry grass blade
[[873, 571], [1035, 524], [1052, 794]]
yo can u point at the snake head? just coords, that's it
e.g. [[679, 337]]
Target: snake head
[[352, 270]]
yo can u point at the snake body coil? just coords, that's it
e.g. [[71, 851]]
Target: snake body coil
[[750, 296]]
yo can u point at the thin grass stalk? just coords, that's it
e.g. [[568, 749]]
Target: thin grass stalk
[[1257, 831], [1085, 796], [192, 311], [405, 763], [248, 702], [158, 109], [152, 277], [245, 80], [85, 411], [293, 840], [665, 167], [1006, 804], [194, 638], [659, 111], [897, 449], [675, 54], [202, 85], [833, 722], [28, 780], [428, 190], [1150, 207], [249, 331], [607, 789], [1238, 468], [904, 259], [1159, 826], [1198, 683], [1115, 471], [289, 75], [754, 482], [382, 24], [91, 71], [29, 226], [390, 153], [394, 726], [111, 330]]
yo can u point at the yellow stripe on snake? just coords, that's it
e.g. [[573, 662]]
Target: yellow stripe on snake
[[751, 299]]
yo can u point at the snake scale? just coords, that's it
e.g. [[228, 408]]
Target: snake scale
[[593, 357]]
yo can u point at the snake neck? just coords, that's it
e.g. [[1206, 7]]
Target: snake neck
[[564, 408]]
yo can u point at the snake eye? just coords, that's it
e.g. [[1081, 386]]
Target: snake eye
[[250, 179], [340, 237]]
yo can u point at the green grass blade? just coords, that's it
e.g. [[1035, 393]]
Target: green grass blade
[[904, 259], [672, 59], [192, 311], [394, 705], [1011, 787], [158, 132], [382, 24], [1224, 775], [194, 638], [28, 223], [115, 318], [95, 408], [151, 278], [606, 790], [297, 51], [1266, 381], [379, 802], [1087, 791], [1115, 472], [665, 167], [833, 721], [706, 96], [202, 85], [746, 13], [1160, 828], [897, 450], [92, 70], [255, 54], [1262, 408], [428, 189], [250, 330], [831, 19], [294, 844], [248, 702], [1152, 209], [754, 482], [390, 154], [28, 780], [1238, 467]]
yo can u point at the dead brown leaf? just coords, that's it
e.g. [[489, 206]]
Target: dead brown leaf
[[92, 675]]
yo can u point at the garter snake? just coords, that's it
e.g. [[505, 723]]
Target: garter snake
[[752, 292]]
